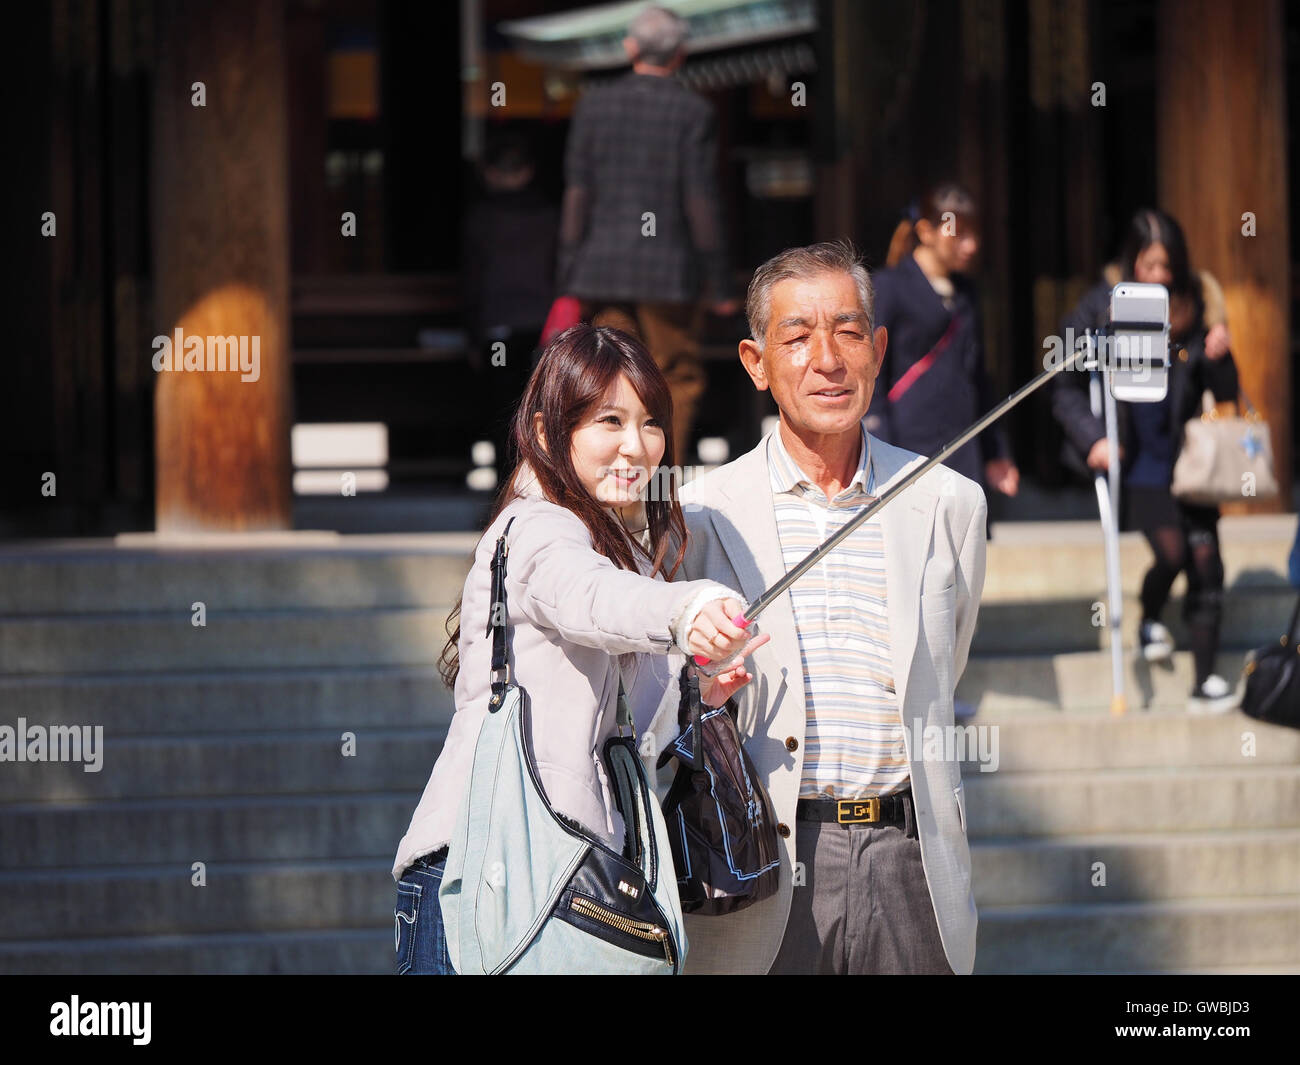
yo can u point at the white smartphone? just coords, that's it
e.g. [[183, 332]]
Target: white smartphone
[[1138, 344]]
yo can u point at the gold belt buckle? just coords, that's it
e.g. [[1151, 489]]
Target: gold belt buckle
[[857, 811]]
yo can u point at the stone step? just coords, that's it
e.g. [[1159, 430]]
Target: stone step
[[142, 900], [1066, 559], [414, 636], [1057, 803], [1201, 936], [233, 572], [250, 763], [325, 570], [1139, 936], [130, 643], [1005, 686], [115, 900], [1139, 867], [128, 704], [1044, 741], [230, 829], [1213, 970], [1252, 617], [365, 950]]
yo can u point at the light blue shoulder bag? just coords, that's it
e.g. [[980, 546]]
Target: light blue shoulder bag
[[525, 890]]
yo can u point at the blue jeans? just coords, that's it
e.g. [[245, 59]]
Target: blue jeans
[[1293, 563], [419, 936]]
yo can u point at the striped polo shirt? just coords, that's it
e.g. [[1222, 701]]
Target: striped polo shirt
[[853, 739]]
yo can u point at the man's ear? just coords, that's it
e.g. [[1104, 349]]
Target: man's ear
[[880, 339], [752, 359], [537, 428]]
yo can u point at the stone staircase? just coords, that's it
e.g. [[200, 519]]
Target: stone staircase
[[223, 744], [226, 744], [1156, 841]]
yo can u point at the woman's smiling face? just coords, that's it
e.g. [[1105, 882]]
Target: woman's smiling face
[[617, 446]]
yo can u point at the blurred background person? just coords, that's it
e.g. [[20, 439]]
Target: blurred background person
[[646, 144], [1182, 536], [933, 382], [509, 273]]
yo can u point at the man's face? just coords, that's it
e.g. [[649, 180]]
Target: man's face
[[819, 357]]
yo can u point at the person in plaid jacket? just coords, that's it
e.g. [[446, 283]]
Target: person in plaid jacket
[[641, 242]]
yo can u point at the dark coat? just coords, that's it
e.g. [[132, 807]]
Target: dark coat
[[1191, 372], [954, 391], [642, 143], [508, 261]]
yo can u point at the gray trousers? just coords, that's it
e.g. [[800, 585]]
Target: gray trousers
[[864, 906]]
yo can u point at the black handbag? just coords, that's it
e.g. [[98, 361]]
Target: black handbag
[[720, 822], [1273, 680]]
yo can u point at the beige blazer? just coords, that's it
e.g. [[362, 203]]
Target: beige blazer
[[934, 536]]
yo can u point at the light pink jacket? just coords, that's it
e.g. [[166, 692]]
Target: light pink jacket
[[575, 619]]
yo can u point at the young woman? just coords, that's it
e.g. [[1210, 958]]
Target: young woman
[[1182, 536], [586, 600], [933, 381]]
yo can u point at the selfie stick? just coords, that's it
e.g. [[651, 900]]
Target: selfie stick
[[773, 593], [1102, 399], [1107, 486]]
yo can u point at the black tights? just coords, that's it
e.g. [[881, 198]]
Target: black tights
[[1193, 547]]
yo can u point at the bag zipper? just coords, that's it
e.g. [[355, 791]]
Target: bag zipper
[[639, 929]]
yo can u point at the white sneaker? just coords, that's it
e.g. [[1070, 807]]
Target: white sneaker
[[1215, 696], [1156, 641]]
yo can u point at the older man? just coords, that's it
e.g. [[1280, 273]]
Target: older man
[[641, 236], [865, 650]]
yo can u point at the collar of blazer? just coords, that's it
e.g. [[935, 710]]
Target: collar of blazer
[[747, 533]]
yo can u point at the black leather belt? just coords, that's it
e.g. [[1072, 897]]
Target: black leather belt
[[885, 810]]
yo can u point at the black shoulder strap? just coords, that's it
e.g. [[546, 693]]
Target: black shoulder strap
[[497, 619], [497, 627]]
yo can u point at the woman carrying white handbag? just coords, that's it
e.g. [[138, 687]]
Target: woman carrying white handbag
[[588, 613], [1183, 534]]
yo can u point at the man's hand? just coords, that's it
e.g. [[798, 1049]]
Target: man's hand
[[716, 690], [1003, 475]]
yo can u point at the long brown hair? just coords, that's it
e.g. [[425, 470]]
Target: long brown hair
[[574, 373]]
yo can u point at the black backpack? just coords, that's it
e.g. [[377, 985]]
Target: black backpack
[[719, 816]]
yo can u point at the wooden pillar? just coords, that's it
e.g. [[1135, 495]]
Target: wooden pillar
[[984, 157], [834, 200], [77, 154], [126, 160], [221, 266], [1061, 201], [866, 119], [308, 130], [1222, 155]]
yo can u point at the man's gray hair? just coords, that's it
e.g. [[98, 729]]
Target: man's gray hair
[[831, 257], [659, 35]]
